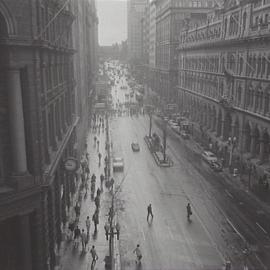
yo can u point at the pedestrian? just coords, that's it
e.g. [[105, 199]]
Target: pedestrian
[[98, 192], [95, 219], [71, 227], [149, 211], [94, 256], [102, 178], [99, 158], [84, 240], [77, 234], [98, 145], [77, 210], [138, 253], [87, 156], [87, 171], [95, 140], [97, 202], [88, 225], [189, 212]]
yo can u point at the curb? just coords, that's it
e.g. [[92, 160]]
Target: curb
[[159, 162]]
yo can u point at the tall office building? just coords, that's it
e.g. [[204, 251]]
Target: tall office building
[[135, 14]]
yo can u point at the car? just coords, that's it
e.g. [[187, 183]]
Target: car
[[135, 147], [216, 166], [184, 135], [118, 164], [175, 127], [209, 157]]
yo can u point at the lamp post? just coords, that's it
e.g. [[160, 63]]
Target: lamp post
[[164, 139], [232, 143]]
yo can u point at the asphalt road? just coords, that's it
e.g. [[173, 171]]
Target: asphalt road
[[223, 219]]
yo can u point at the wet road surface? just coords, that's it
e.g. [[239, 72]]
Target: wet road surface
[[223, 219]]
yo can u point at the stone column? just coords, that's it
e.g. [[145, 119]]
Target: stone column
[[252, 145], [222, 129], [262, 145], [25, 242], [16, 122]]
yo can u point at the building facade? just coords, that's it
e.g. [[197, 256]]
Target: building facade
[[223, 81], [135, 12], [171, 19], [39, 118], [152, 44]]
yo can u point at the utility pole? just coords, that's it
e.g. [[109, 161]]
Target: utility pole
[[164, 140], [150, 124]]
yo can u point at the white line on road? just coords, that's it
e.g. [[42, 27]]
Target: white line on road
[[228, 193], [261, 227], [234, 228], [170, 232]]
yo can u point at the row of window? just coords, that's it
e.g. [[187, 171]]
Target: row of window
[[55, 30], [256, 65]]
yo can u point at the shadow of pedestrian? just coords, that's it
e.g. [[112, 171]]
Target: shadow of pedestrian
[[150, 222], [138, 266], [95, 235]]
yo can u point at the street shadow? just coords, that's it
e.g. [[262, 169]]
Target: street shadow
[[138, 266], [95, 235], [150, 222]]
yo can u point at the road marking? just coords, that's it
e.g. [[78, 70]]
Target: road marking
[[261, 227], [259, 260], [170, 232], [234, 228], [228, 193]]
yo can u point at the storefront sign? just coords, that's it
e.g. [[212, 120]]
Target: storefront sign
[[71, 164]]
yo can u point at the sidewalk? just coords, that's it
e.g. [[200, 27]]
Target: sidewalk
[[74, 258]]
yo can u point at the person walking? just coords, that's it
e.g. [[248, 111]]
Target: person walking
[[94, 256], [149, 211], [138, 253], [87, 171], [99, 159], [77, 210], [102, 178], [84, 240], [88, 225], [95, 219], [189, 212], [77, 234], [97, 145]]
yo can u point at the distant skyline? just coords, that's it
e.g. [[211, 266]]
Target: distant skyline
[[112, 15]]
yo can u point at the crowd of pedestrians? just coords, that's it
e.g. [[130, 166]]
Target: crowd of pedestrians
[[81, 234]]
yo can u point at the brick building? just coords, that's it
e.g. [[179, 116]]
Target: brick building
[[224, 76], [39, 122]]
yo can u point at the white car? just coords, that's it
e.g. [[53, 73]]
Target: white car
[[209, 157], [118, 164]]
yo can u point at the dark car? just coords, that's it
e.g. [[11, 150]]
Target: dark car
[[216, 166], [184, 135]]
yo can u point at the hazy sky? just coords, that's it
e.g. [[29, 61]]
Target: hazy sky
[[112, 16]]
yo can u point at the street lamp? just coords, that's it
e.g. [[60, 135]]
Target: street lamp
[[164, 139], [232, 143]]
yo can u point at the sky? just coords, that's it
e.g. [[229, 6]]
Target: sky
[[112, 15]]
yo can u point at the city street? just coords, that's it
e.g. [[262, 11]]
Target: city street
[[222, 219]]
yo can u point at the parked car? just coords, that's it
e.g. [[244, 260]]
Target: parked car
[[118, 164], [216, 166], [209, 157], [175, 127], [135, 147], [184, 135]]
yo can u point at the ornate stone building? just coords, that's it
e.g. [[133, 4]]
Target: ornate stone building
[[224, 76], [171, 18], [39, 122]]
